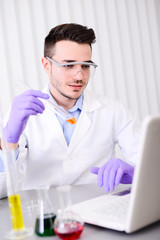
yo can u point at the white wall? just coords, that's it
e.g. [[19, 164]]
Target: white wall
[[127, 49]]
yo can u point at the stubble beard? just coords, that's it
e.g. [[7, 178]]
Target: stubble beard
[[65, 94], [62, 93]]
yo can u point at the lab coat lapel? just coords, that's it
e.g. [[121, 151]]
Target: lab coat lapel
[[82, 127], [90, 104], [51, 122]]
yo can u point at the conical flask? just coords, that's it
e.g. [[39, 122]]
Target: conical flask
[[68, 225], [46, 216]]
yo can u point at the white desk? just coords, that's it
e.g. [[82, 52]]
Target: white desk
[[79, 193]]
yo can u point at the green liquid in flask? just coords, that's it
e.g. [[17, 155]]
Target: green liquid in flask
[[44, 226]]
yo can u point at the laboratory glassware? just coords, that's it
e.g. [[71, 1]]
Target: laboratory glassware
[[19, 231], [68, 225], [44, 225], [50, 105]]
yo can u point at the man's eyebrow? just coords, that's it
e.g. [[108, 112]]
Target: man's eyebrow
[[90, 61], [69, 61]]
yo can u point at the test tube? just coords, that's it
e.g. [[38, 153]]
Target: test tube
[[19, 231], [53, 107]]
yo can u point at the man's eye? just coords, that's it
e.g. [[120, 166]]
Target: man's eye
[[68, 66], [85, 66]]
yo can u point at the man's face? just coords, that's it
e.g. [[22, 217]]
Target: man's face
[[66, 85]]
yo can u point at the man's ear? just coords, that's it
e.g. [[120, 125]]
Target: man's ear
[[46, 64]]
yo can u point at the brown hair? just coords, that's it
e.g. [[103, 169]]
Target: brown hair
[[71, 31]]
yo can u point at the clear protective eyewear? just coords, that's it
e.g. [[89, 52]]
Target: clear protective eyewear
[[87, 68]]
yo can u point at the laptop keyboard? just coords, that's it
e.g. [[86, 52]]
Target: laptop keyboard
[[106, 211], [114, 208]]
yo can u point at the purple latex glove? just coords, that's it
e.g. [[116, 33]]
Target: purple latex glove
[[23, 106], [112, 173]]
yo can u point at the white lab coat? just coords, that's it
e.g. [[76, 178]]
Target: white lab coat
[[45, 158]]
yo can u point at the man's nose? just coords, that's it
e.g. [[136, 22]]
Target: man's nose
[[78, 74]]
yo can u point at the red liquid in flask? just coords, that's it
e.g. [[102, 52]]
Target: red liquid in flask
[[70, 231]]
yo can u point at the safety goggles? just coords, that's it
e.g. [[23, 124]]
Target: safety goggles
[[86, 68]]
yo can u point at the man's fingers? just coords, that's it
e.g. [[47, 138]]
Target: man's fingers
[[94, 170], [36, 93], [119, 176], [100, 175], [112, 176]]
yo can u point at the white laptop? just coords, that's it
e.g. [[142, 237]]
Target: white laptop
[[139, 206]]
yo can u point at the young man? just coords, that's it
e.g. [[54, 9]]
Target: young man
[[52, 151]]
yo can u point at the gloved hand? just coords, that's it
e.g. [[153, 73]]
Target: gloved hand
[[112, 173], [23, 106]]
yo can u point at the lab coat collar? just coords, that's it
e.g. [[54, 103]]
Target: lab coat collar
[[90, 104]]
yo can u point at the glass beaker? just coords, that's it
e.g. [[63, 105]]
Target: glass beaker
[[19, 231], [68, 225], [46, 216]]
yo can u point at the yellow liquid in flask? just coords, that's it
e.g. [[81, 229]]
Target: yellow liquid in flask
[[16, 212]]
